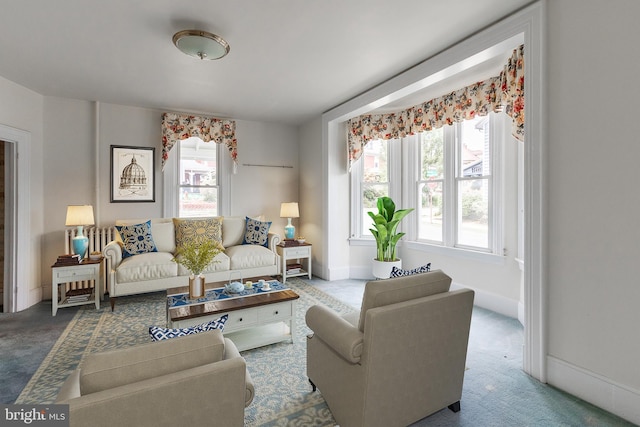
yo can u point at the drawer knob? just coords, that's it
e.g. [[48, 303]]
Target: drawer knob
[[276, 311], [240, 320]]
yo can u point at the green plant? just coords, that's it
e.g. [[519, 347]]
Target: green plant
[[196, 257], [385, 223]]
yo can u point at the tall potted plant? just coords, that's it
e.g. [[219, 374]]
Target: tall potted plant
[[385, 224]]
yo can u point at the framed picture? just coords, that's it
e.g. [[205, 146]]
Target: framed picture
[[132, 174]]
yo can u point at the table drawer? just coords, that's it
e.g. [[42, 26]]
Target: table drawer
[[241, 318], [298, 252], [274, 312], [75, 273]]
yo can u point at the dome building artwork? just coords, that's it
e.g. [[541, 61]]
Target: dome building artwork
[[133, 177]]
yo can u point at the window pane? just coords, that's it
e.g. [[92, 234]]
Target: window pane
[[198, 178], [432, 152], [430, 212], [196, 202], [474, 154], [473, 212], [374, 159], [370, 195]]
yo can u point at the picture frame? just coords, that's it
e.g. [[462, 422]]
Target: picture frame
[[132, 174]]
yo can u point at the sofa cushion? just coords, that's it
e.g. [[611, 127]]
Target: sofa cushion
[[221, 263], [232, 230], [256, 232], [159, 333], [197, 230], [136, 239], [164, 236], [250, 256], [150, 266], [110, 369], [379, 293], [398, 272]]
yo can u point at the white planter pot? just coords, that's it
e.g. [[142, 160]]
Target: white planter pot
[[382, 269]]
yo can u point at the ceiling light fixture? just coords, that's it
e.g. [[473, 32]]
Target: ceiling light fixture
[[201, 44]]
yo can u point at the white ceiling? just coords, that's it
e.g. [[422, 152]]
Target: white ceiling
[[290, 60]]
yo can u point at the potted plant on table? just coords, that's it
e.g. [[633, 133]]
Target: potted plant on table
[[196, 257], [385, 224]]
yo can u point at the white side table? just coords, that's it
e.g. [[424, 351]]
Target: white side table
[[86, 270], [299, 252]]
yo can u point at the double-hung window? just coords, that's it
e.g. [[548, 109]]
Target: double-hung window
[[193, 180], [458, 192]]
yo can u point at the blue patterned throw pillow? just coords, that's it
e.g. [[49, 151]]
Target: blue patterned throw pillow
[[256, 232], [157, 333], [136, 239], [398, 272]]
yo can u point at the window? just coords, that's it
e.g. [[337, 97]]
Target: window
[[455, 185], [450, 176], [197, 180]]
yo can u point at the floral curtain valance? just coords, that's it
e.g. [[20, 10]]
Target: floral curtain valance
[[505, 91], [176, 127]]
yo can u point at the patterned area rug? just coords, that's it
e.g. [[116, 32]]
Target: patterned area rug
[[283, 394]]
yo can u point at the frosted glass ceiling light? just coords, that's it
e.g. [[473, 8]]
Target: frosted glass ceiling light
[[201, 44]]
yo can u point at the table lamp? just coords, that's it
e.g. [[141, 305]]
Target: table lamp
[[289, 210], [80, 215]]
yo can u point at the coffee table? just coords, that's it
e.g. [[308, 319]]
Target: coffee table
[[255, 320]]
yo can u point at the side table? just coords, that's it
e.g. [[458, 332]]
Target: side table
[[299, 252], [87, 269]]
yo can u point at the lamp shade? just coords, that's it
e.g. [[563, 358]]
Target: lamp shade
[[289, 210], [79, 215]]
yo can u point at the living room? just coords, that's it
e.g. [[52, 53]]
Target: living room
[[586, 270]]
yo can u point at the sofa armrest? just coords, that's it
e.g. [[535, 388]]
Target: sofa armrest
[[344, 338], [231, 352], [273, 240], [113, 253]]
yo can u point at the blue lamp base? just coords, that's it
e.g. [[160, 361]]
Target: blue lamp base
[[80, 243], [289, 230]]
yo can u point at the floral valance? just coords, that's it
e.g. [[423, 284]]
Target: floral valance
[[503, 92], [176, 127]]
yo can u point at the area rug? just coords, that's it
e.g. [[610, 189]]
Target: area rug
[[283, 394]]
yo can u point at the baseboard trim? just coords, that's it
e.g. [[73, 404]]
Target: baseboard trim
[[35, 296], [616, 398], [490, 301]]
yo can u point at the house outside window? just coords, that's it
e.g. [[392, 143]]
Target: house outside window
[[198, 178]]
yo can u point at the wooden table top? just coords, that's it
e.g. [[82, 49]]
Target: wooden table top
[[225, 305]]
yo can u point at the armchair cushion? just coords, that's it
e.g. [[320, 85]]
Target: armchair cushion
[[344, 338], [110, 369]]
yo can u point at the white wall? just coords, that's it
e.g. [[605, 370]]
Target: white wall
[[22, 109], [71, 167], [594, 236]]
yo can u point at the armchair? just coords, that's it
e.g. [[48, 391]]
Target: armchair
[[196, 380], [400, 359]]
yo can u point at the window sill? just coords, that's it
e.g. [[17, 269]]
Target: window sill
[[441, 250]]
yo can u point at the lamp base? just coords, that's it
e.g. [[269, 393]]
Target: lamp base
[[289, 232], [80, 245]]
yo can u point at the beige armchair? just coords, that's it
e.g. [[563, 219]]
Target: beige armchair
[[196, 380], [401, 358]]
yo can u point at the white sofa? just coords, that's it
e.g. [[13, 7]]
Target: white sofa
[[154, 271]]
